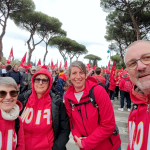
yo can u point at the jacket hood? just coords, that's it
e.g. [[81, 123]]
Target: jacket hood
[[19, 104], [89, 83], [138, 97], [47, 73], [62, 76]]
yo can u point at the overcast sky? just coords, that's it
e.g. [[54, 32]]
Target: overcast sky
[[83, 20]]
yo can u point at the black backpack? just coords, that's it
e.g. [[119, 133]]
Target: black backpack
[[17, 126], [92, 100]]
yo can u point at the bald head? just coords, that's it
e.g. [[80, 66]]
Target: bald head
[[134, 47], [137, 60]]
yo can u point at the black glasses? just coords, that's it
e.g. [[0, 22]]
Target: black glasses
[[44, 81], [132, 64], [12, 93]]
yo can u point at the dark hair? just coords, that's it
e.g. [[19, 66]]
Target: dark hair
[[98, 70], [8, 67]]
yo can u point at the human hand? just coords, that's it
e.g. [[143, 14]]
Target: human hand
[[78, 143]]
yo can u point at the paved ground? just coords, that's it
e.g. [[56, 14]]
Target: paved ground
[[121, 121]]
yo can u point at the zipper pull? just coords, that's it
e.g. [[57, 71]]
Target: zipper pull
[[148, 108]]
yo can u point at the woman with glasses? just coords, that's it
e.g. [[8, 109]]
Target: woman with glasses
[[45, 121], [11, 127]]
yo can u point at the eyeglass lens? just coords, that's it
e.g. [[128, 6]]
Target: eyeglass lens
[[44, 81], [12, 93], [145, 59]]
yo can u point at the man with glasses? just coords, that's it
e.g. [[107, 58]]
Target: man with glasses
[[137, 60]]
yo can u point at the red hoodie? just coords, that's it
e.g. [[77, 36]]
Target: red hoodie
[[37, 119], [139, 121], [8, 137], [98, 136]]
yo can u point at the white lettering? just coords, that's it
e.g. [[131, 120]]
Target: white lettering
[[47, 111], [9, 139], [138, 144], [148, 143], [28, 120], [131, 132], [38, 117]]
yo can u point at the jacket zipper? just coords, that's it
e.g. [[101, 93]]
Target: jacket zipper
[[79, 110], [110, 140], [148, 108]]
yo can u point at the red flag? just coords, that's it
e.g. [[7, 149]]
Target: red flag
[[23, 60], [52, 65], [108, 66], [112, 73], [57, 63], [10, 56], [39, 62], [88, 67], [60, 65], [94, 67], [49, 66], [65, 65]]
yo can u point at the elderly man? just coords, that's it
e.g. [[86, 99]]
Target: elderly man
[[137, 60]]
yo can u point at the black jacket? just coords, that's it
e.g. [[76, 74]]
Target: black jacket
[[15, 75], [60, 119]]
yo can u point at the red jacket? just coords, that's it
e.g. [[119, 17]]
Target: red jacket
[[37, 119], [100, 78], [122, 82], [8, 137], [139, 121], [98, 136], [112, 85]]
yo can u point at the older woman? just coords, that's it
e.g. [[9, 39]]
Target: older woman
[[92, 126], [11, 127], [46, 124]]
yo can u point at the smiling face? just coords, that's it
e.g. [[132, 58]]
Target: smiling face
[[8, 102], [77, 78], [141, 74], [40, 88]]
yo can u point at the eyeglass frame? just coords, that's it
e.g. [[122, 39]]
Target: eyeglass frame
[[137, 61], [9, 93], [41, 80]]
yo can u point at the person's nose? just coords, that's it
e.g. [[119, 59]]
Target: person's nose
[[78, 75], [140, 65], [7, 96]]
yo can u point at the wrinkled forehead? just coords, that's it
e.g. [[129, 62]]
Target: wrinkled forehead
[[136, 51]]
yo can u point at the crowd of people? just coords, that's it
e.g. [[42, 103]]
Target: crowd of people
[[39, 107]]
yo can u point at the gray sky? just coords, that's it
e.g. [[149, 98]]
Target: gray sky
[[83, 20]]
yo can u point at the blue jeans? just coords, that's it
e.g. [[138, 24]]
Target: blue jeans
[[119, 148]]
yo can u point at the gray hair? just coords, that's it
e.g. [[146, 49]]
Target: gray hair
[[8, 81], [78, 64]]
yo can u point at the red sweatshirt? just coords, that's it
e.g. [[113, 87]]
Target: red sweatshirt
[[86, 123], [139, 121], [8, 137], [37, 119]]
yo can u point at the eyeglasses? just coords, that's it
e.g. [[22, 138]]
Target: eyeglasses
[[12, 93], [145, 59], [44, 81]]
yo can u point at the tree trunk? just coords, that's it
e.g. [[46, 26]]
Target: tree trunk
[[45, 53], [1, 48], [29, 56], [1, 37], [136, 27]]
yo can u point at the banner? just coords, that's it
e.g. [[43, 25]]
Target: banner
[[23, 60], [39, 62], [10, 56]]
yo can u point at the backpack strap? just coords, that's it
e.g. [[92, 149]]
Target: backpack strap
[[17, 126], [92, 98]]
